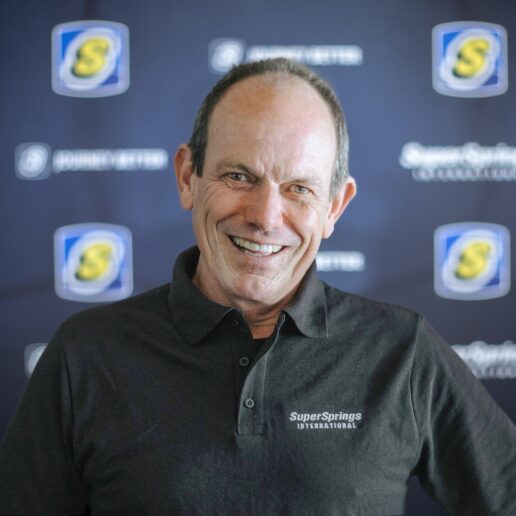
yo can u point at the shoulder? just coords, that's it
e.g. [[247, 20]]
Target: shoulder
[[116, 319], [361, 312]]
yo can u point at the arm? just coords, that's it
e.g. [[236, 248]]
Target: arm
[[37, 471], [467, 443]]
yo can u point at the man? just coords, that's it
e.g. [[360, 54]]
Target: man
[[248, 386]]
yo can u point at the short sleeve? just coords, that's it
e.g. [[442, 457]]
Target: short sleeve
[[37, 473], [467, 443]]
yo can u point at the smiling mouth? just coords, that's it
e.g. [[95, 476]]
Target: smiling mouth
[[256, 249]]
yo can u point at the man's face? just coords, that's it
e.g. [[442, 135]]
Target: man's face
[[262, 204]]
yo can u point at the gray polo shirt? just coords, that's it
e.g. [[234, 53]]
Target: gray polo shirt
[[164, 404]]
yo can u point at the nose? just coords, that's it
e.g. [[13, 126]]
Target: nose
[[265, 209]]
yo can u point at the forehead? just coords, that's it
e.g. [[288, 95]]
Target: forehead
[[279, 113], [283, 93]]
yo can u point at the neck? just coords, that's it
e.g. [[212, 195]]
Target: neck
[[260, 316], [262, 320]]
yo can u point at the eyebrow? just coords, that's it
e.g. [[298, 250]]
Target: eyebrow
[[311, 179], [234, 165]]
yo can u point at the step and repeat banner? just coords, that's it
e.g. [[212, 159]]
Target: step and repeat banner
[[96, 96]]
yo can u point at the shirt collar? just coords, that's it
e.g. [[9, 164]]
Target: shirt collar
[[194, 315], [308, 308]]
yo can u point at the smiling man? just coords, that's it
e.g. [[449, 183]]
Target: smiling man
[[247, 386], [264, 197]]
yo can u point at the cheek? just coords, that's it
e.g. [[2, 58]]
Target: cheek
[[308, 221], [209, 201], [217, 207]]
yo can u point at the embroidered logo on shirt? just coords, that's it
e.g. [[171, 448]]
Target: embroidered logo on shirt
[[326, 420]]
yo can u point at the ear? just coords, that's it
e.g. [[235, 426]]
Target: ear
[[338, 204], [185, 176]]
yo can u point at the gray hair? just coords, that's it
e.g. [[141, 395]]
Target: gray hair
[[199, 137]]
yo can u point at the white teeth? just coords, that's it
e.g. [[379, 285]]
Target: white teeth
[[251, 246]]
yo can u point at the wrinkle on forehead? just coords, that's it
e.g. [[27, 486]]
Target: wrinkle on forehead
[[281, 107], [273, 90]]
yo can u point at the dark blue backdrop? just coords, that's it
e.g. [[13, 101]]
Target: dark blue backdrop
[[377, 55]]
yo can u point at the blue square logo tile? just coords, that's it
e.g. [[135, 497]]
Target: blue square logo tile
[[472, 261], [93, 262], [90, 58], [469, 59]]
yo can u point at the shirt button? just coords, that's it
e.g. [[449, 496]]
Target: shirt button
[[249, 403], [244, 361]]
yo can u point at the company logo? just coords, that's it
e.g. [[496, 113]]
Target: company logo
[[32, 161], [90, 58], [326, 420], [489, 361], [469, 59], [37, 161], [224, 53], [470, 162], [32, 354], [342, 261], [93, 262], [472, 261]]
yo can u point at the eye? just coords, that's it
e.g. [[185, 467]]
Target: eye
[[238, 177], [300, 189]]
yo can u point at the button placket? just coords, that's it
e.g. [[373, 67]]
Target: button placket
[[235, 333], [252, 406]]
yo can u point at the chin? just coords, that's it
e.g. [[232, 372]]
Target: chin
[[253, 290]]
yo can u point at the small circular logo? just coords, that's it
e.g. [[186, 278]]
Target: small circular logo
[[226, 53], [32, 354], [32, 161]]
